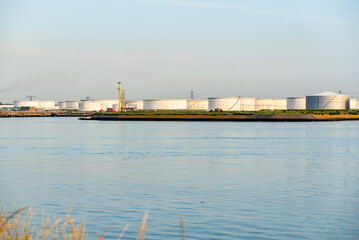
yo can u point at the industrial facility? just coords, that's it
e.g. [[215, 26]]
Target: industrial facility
[[296, 103], [165, 104], [325, 100], [41, 105], [224, 104]]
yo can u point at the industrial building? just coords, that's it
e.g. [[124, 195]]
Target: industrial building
[[247, 104], [134, 105], [62, 105], [6, 106], [271, 104], [165, 104], [295, 103], [107, 103], [19, 104], [42, 105], [197, 104], [353, 104], [224, 104], [327, 100], [88, 106], [72, 105], [47, 105]]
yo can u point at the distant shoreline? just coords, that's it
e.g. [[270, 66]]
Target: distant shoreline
[[235, 118], [180, 115], [28, 114]]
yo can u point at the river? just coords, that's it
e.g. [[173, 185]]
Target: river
[[228, 180]]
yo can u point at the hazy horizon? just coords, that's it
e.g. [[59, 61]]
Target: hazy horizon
[[67, 50]]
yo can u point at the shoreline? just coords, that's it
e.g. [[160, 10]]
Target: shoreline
[[28, 114], [279, 116], [235, 118]]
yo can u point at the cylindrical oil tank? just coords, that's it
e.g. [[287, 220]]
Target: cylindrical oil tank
[[165, 104], [327, 100], [72, 105], [135, 105], [47, 105], [271, 104], [62, 105], [296, 103], [19, 104], [281, 104], [6, 107], [197, 104], [248, 104], [107, 103], [89, 106], [224, 104], [353, 104]]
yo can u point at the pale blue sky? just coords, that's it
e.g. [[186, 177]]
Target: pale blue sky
[[166, 48]]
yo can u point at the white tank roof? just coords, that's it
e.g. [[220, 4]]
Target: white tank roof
[[327, 94], [224, 97], [164, 100]]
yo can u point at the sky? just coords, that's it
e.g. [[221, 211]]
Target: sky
[[68, 50]]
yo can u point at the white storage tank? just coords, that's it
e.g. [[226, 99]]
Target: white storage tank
[[296, 103], [271, 104], [72, 105], [224, 104], [136, 105], [357, 104], [327, 100], [197, 104], [165, 104], [353, 104], [62, 105], [47, 105], [248, 104], [89, 106], [6, 106], [19, 104], [107, 103]]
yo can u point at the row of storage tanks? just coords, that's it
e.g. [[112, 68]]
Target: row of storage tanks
[[45, 105], [325, 100], [224, 104], [83, 105]]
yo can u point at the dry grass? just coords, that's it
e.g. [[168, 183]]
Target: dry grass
[[17, 226]]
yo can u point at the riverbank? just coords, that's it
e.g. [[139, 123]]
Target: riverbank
[[279, 116], [22, 114], [185, 115]]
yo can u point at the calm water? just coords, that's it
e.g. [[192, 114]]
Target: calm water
[[228, 180]]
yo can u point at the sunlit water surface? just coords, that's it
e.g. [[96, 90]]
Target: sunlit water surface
[[228, 180]]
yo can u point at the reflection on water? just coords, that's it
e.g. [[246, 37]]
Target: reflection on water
[[227, 180]]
